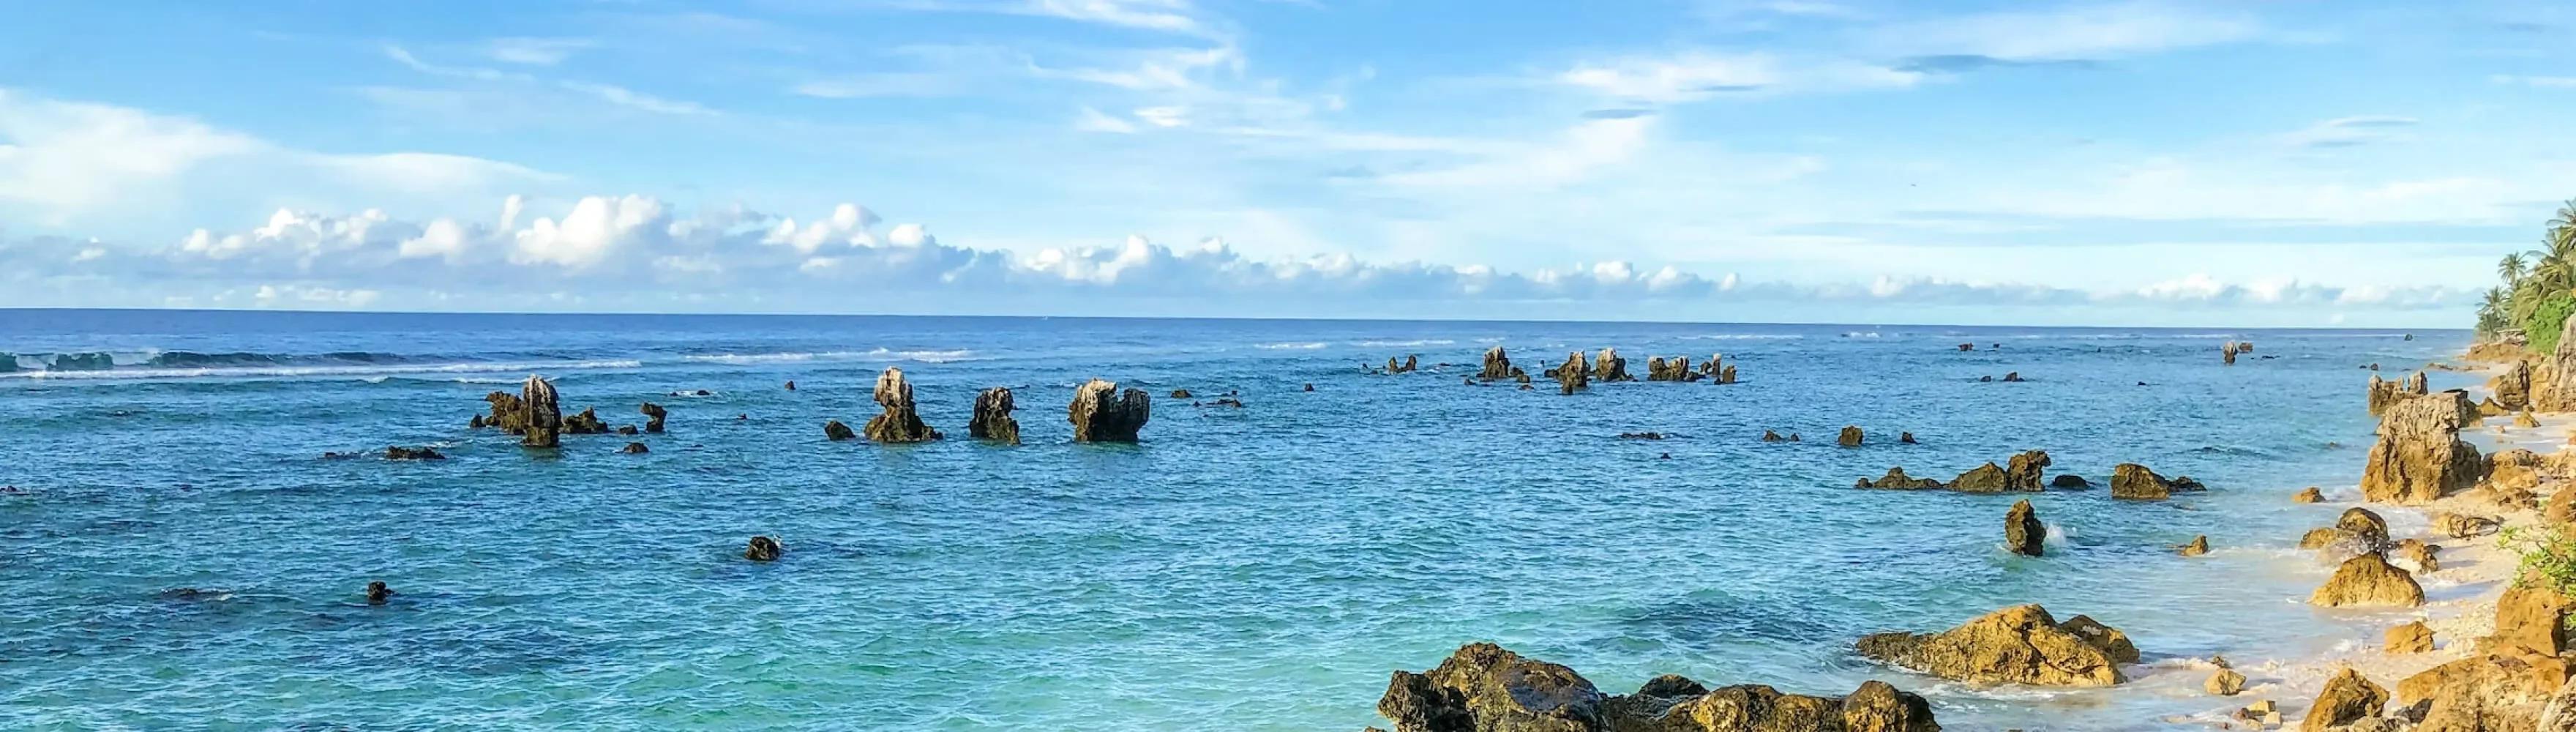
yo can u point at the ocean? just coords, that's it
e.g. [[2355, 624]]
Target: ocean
[[1252, 568]]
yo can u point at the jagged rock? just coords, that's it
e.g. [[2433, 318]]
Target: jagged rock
[[1100, 413], [2015, 645], [836, 432], [2199, 545], [2559, 715], [2227, 352], [539, 419], [2414, 637], [2515, 472], [1484, 688], [2069, 481], [1905, 438], [509, 413], [2419, 456], [1770, 436], [2464, 526], [1677, 368], [412, 453], [2012, 377], [80, 362], [2495, 692], [1609, 367], [2357, 531], [1409, 364], [763, 549], [476, 423], [635, 448], [2023, 533], [2368, 581], [2557, 392], [1714, 369], [791, 384], [2415, 556], [2227, 682], [2532, 616], [2135, 482], [585, 423], [1182, 394], [1498, 365], [1727, 376], [2489, 408], [1572, 376], [2525, 420], [2347, 698], [899, 421], [653, 416], [2025, 474], [2311, 495], [378, 593], [993, 419], [2385, 394], [2512, 387], [1850, 437], [1896, 479]]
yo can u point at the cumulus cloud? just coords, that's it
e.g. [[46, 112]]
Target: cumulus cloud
[[639, 243]]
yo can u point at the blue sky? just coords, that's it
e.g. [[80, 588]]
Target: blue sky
[[2155, 163]]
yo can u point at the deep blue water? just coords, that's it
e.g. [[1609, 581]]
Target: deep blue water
[[1260, 568]]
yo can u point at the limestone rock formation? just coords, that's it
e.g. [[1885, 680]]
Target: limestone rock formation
[[1896, 479], [2385, 394], [2368, 581], [993, 419], [1610, 367], [1485, 688], [540, 420], [2559, 715], [2493, 692], [899, 421], [1498, 365], [1100, 413], [1850, 437], [585, 422], [1726, 376], [2015, 645], [2135, 482], [2419, 456], [1677, 368], [2464, 526], [2554, 384], [2415, 556], [2534, 617], [2512, 388], [2069, 481], [2023, 533], [2311, 495], [763, 549], [2026, 473], [1573, 376], [1770, 436], [2227, 352], [2227, 682], [2347, 698], [2199, 546], [2414, 637], [653, 416], [2357, 531], [836, 432]]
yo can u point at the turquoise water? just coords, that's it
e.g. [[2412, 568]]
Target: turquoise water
[[1259, 568]]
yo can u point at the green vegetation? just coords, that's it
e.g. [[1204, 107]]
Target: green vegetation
[[2539, 288], [2548, 557]]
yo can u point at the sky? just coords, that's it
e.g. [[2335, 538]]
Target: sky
[[2244, 163]]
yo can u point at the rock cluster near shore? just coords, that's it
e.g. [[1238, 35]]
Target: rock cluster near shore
[[2137, 483], [1484, 688], [2419, 456], [2023, 533], [900, 421], [993, 419], [2385, 393], [2023, 472], [2022, 644]]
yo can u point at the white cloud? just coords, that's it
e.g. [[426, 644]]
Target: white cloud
[[609, 93], [1697, 75], [535, 51], [2074, 32], [2352, 131], [71, 157], [1092, 120]]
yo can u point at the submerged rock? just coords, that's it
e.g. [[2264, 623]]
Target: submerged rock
[[2419, 456], [2347, 698], [2016, 645], [1850, 437], [836, 432], [1485, 688], [993, 419], [2069, 481], [1100, 413], [1770, 436], [653, 416], [412, 453], [899, 420], [2023, 533], [1409, 364], [2226, 682], [2311, 495], [585, 423], [1896, 479], [635, 448], [2199, 545], [2135, 482], [1905, 438], [378, 593], [763, 549], [2368, 581]]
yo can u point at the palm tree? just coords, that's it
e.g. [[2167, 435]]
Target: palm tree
[[2511, 269]]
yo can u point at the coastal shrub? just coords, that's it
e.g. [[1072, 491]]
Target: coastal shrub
[[2542, 327], [2548, 557]]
